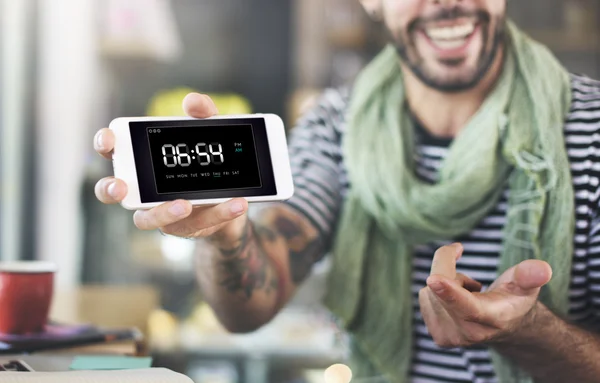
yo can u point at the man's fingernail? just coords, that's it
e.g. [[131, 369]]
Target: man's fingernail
[[99, 140], [177, 210], [112, 190], [437, 287], [237, 208], [457, 247]]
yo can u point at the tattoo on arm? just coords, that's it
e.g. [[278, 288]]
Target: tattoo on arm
[[304, 249], [245, 268]]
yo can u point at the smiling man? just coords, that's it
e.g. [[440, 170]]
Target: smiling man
[[446, 48], [455, 185]]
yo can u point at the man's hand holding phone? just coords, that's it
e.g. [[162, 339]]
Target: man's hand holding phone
[[179, 217]]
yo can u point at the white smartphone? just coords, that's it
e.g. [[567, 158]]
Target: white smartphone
[[206, 161]]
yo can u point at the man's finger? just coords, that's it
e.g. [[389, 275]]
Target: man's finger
[[444, 260], [110, 190], [524, 279], [456, 300], [104, 143], [218, 214], [199, 106], [532, 274], [207, 218], [163, 215], [468, 283]]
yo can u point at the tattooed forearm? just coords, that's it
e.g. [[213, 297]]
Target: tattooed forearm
[[304, 245], [245, 268], [248, 279], [305, 248]]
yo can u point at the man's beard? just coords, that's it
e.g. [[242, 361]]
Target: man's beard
[[409, 54]]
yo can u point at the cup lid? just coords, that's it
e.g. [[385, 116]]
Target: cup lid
[[28, 267]]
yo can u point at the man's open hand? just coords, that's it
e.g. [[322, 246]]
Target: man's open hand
[[457, 314]]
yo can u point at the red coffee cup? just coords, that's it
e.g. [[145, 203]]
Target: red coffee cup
[[25, 296]]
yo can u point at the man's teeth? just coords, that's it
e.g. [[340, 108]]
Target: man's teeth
[[449, 44], [454, 35]]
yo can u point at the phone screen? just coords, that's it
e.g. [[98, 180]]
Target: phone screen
[[188, 159], [202, 159]]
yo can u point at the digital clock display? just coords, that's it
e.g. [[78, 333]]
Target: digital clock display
[[190, 159], [202, 159]]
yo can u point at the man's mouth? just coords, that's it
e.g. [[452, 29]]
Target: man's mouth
[[451, 36]]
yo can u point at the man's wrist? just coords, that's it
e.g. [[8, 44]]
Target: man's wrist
[[232, 237], [531, 327]]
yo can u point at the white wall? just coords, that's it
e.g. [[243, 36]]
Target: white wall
[[67, 92], [16, 16]]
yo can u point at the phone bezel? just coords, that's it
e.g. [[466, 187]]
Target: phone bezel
[[125, 169]]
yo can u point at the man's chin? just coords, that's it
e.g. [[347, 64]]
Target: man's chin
[[448, 75], [452, 63], [450, 83]]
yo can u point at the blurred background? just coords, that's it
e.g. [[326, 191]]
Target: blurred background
[[68, 67]]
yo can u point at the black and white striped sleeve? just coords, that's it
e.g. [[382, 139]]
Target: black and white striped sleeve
[[585, 126], [315, 157]]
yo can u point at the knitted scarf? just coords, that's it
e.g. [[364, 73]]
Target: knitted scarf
[[515, 139]]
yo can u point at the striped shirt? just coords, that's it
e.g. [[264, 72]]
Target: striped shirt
[[321, 186]]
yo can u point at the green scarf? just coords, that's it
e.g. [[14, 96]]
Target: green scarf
[[516, 137]]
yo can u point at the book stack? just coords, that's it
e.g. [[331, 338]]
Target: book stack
[[75, 339]]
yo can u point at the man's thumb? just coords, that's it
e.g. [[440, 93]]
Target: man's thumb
[[532, 274]]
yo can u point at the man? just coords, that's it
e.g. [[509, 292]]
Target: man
[[455, 133]]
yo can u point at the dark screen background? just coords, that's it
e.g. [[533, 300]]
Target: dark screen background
[[194, 159], [252, 166]]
